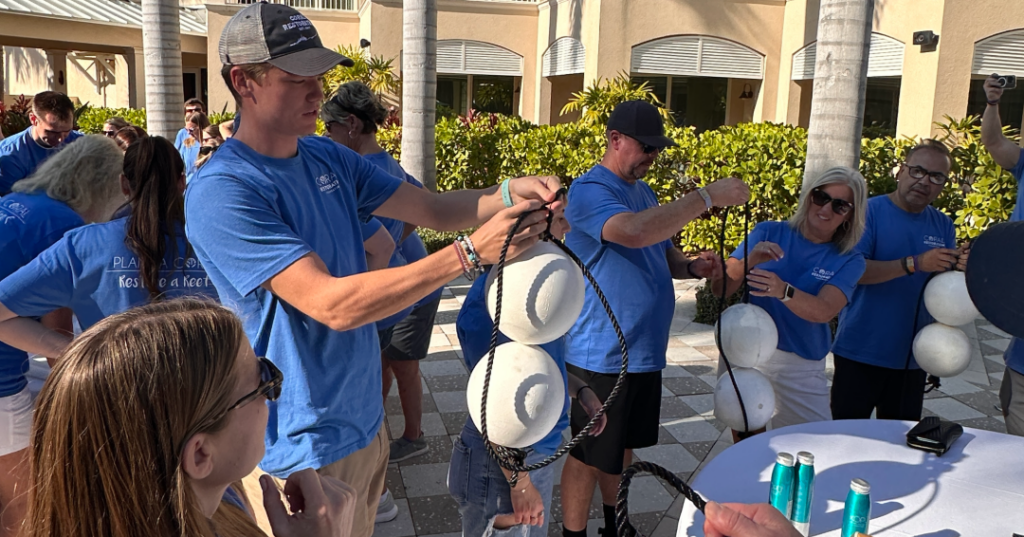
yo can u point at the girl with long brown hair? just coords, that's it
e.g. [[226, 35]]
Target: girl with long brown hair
[[103, 269], [147, 420]]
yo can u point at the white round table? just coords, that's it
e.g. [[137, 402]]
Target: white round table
[[976, 488]]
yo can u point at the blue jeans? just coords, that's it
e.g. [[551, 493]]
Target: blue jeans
[[479, 487]]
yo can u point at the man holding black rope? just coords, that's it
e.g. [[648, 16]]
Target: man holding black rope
[[905, 240]]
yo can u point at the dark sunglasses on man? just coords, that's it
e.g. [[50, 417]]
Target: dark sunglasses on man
[[109, 134], [918, 173], [647, 149], [820, 198]]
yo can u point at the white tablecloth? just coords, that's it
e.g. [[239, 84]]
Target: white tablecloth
[[976, 488]]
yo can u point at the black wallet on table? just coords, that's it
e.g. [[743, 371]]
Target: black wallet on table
[[934, 435]]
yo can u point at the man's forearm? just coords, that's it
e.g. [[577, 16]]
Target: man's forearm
[[462, 209], [991, 126], [882, 271], [661, 223]]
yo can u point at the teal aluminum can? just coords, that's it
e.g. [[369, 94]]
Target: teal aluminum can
[[804, 493], [858, 508], [783, 479]]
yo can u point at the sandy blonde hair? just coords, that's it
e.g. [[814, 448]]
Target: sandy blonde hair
[[849, 233]]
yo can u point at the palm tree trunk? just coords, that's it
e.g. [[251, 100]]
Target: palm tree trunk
[[419, 89], [840, 81], [161, 45]]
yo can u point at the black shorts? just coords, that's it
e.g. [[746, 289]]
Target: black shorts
[[632, 419], [411, 337], [858, 389]]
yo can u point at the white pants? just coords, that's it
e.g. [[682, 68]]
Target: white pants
[[15, 422], [801, 388]]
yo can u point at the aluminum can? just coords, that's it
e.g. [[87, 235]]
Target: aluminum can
[[857, 512], [783, 479], [803, 494]]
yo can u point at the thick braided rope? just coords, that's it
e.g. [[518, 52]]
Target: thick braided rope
[[511, 458], [622, 526], [721, 308]]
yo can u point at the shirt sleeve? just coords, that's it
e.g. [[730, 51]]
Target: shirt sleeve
[[236, 230], [369, 227], [46, 283], [846, 278], [593, 204], [756, 236], [1019, 168], [11, 171]]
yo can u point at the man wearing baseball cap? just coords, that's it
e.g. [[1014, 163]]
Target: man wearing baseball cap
[[275, 216], [625, 238]]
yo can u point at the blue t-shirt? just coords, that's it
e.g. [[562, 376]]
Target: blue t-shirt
[[190, 154], [808, 267], [636, 281], [180, 138], [411, 249], [93, 272], [29, 224], [1014, 354], [249, 217], [877, 326], [474, 327], [20, 155]]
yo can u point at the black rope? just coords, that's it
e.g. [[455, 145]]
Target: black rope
[[721, 308], [511, 458], [933, 381], [622, 524]]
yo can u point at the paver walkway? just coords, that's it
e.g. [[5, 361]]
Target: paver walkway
[[690, 436]]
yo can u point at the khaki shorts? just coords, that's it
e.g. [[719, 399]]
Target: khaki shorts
[[363, 470]]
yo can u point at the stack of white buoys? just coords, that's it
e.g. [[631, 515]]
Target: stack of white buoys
[[748, 338], [542, 296], [940, 348]]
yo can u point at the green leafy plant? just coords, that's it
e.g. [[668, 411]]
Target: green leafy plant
[[376, 72], [596, 102], [14, 119], [92, 118]]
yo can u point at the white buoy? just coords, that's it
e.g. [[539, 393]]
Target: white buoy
[[948, 301], [526, 396], [542, 295], [758, 399], [749, 335], [943, 351]]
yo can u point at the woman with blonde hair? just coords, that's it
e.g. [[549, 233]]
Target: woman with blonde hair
[[148, 419], [76, 186], [803, 273]]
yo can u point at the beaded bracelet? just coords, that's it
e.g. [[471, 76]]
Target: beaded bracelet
[[471, 255], [467, 268]]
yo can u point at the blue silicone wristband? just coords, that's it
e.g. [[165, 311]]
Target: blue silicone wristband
[[506, 196]]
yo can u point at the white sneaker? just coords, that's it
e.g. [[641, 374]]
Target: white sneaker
[[386, 508]]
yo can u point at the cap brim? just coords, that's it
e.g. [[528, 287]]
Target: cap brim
[[661, 142], [310, 62], [993, 276]]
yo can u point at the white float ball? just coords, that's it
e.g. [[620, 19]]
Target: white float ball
[[758, 399], [526, 395], [943, 351], [749, 335], [948, 301], [542, 295]]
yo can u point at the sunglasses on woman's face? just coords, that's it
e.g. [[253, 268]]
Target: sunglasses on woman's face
[[270, 386], [821, 199], [109, 134]]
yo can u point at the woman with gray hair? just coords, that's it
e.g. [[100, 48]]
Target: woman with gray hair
[[76, 186], [806, 271]]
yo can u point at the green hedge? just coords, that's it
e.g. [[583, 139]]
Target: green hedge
[[91, 119]]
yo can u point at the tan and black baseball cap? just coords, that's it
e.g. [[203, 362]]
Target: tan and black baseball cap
[[279, 35]]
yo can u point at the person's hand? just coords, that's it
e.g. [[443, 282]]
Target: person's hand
[[764, 283], [727, 192], [764, 252], [965, 253], [541, 188], [559, 226], [527, 505], [592, 404], [707, 265], [993, 91], [937, 260], [746, 520], [320, 506], [490, 237]]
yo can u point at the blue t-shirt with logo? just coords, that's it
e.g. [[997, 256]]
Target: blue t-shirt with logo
[[1014, 354], [877, 326], [808, 267], [93, 272], [29, 224], [474, 327], [411, 249], [20, 155], [249, 217], [636, 281]]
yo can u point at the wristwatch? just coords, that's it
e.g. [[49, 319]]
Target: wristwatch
[[790, 292], [908, 265]]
